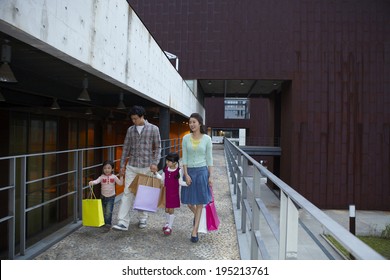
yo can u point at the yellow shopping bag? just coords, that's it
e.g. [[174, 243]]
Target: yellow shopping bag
[[92, 211]]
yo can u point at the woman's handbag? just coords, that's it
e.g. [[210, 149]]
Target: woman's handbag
[[211, 214], [92, 211], [146, 198]]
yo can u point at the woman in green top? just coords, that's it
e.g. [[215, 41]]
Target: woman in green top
[[197, 166]]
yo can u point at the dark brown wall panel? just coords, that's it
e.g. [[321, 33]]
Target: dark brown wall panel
[[336, 114], [259, 125]]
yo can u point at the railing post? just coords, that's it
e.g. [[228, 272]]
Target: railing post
[[292, 228], [255, 214], [288, 241], [230, 159], [75, 187], [111, 155], [231, 166], [11, 209], [79, 182], [22, 233], [239, 164], [244, 195], [238, 180], [282, 226], [236, 171], [175, 146]]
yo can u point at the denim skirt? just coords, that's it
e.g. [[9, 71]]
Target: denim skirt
[[199, 191]]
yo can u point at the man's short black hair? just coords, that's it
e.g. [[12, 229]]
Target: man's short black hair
[[137, 110]]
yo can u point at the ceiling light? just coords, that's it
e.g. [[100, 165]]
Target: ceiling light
[[121, 105], [209, 83], [54, 105], [88, 111], [6, 74], [242, 83], [84, 95]]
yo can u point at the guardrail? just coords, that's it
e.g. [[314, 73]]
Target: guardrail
[[74, 179], [247, 175]]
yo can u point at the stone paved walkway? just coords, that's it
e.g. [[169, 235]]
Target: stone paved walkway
[[88, 243]]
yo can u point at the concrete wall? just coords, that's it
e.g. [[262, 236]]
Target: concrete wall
[[105, 38]]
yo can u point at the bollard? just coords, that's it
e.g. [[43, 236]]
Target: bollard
[[352, 219], [352, 223]]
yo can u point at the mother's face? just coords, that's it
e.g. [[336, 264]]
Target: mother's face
[[194, 124]]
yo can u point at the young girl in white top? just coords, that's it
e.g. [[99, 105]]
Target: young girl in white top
[[107, 181]]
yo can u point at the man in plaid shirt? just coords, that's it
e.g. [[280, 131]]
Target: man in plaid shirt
[[142, 147]]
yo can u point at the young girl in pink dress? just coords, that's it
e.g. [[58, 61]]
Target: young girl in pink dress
[[172, 178]]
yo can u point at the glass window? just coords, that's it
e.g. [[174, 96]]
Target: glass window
[[36, 144], [50, 135], [18, 135], [237, 108]]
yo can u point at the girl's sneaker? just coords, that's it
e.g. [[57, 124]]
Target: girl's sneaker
[[165, 227], [168, 231]]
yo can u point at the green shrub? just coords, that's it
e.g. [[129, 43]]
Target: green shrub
[[386, 232]]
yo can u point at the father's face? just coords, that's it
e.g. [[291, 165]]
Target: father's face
[[137, 120]]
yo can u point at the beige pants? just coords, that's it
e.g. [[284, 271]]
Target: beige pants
[[126, 203]]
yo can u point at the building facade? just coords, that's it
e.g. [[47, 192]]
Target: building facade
[[331, 110], [53, 56]]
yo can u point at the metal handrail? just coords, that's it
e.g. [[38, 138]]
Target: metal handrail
[[18, 166], [291, 202]]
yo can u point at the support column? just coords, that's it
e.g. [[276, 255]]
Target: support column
[[164, 132]]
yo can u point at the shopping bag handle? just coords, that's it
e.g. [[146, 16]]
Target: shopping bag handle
[[150, 174], [91, 193]]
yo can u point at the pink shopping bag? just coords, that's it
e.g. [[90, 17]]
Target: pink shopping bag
[[211, 214], [146, 198]]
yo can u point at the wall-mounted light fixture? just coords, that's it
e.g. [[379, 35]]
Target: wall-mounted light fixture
[[242, 83], [6, 74], [84, 95], [121, 105], [173, 56], [88, 111], [54, 105]]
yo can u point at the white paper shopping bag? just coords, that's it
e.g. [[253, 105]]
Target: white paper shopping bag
[[146, 198]]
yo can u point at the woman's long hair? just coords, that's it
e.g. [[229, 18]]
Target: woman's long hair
[[199, 118]]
